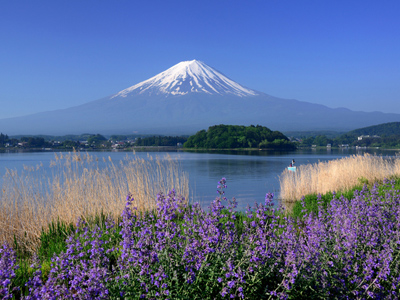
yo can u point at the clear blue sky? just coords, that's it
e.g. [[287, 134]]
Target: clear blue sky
[[57, 54]]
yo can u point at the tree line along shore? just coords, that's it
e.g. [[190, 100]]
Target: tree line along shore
[[216, 137], [385, 136]]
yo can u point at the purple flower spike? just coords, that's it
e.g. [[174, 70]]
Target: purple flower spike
[[7, 270]]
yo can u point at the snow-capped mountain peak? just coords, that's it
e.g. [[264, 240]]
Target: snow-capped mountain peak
[[188, 77]]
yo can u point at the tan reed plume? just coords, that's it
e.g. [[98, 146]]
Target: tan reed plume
[[77, 186], [340, 174]]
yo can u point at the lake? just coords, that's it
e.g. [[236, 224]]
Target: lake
[[250, 174]]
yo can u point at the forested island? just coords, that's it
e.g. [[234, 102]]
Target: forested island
[[235, 136]]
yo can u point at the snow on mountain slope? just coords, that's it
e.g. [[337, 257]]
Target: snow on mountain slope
[[188, 77]]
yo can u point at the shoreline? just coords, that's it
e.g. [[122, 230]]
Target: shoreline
[[176, 148]]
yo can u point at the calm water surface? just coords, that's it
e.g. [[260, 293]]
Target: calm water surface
[[250, 174]]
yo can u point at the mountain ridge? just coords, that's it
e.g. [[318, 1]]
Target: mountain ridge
[[385, 129], [157, 106]]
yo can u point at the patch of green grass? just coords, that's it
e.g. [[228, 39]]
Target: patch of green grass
[[312, 203], [53, 242], [52, 239]]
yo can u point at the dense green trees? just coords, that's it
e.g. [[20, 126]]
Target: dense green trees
[[160, 141], [3, 139], [235, 136], [34, 142], [70, 145], [319, 140], [96, 139]]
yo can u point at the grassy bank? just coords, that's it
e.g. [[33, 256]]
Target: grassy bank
[[77, 186], [349, 250], [311, 203], [340, 174]]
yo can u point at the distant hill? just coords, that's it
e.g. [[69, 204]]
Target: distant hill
[[306, 134], [70, 137], [383, 130]]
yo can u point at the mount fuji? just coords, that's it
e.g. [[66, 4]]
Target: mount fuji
[[185, 98]]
